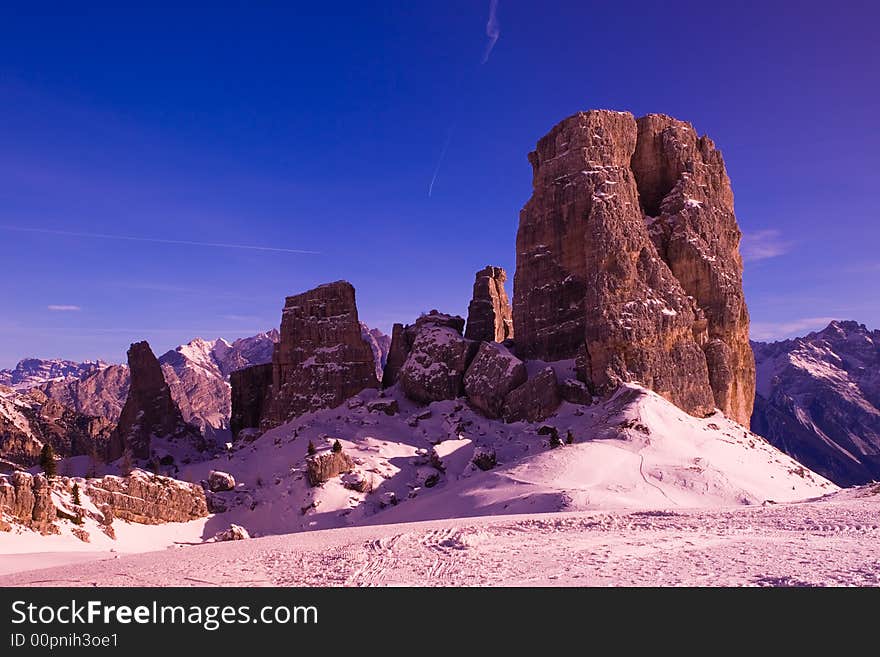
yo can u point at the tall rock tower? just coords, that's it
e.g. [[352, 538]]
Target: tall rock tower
[[489, 315], [628, 260]]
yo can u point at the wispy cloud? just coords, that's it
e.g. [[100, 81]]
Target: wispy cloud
[[63, 308], [763, 244], [780, 330], [156, 240], [493, 29]]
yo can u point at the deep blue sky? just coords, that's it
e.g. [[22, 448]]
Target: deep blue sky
[[320, 128]]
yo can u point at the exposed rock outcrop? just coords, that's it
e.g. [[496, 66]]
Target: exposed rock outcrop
[[148, 499], [27, 499], [323, 467], [435, 365], [619, 212], [818, 400], [149, 410], [490, 318], [251, 393], [492, 374], [321, 359], [535, 400]]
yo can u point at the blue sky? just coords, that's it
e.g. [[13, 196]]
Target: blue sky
[[319, 129]]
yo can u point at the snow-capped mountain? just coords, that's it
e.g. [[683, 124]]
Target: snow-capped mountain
[[31, 372], [197, 373], [818, 400]]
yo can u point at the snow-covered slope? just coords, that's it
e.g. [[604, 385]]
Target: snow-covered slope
[[818, 399], [635, 450]]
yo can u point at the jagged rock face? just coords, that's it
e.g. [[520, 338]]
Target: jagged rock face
[[535, 400], [149, 410], [204, 398], [490, 318], [100, 394], [435, 366], [593, 281], [818, 400], [322, 359], [148, 499], [379, 345], [402, 338], [27, 499], [251, 390], [492, 374], [29, 420], [686, 195]]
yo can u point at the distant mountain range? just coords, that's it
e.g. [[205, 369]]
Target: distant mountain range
[[818, 400], [32, 372], [46, 399]]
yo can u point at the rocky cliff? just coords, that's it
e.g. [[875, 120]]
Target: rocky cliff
[[490, 318], [627, 259], [28, 420], [148, 499], [149, 410], [321, 359], [251, 390], [818, 400]]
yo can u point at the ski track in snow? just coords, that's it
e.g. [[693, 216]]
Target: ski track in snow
[[819, 543]]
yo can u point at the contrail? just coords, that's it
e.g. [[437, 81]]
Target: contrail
[[493, 30], [440, 160], [157, 240]]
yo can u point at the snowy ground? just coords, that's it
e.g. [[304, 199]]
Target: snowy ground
[[831, 542], [646, 494]]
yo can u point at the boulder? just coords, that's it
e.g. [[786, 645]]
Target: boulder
[[435, 367], [220, 481], [533, 401], [387, 406], [492, 374], [232, 533], [575, 392]]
